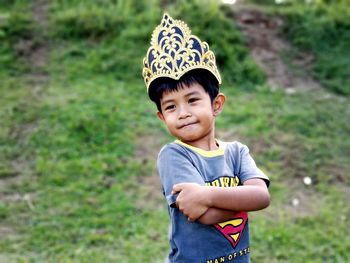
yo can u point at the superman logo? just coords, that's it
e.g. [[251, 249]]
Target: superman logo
[[233, 229]]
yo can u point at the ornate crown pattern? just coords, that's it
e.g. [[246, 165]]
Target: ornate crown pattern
[[174, 52]]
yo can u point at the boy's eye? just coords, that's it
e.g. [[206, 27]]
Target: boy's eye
[[191, 100], [170, 107]]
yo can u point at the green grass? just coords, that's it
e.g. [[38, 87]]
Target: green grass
[[15, 24], [76, 153]]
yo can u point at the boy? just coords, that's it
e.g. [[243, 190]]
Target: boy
[[209, 185]]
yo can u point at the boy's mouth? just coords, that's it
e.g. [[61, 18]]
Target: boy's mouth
[[186, 125]]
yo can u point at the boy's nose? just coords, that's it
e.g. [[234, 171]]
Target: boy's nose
[[184, 113]]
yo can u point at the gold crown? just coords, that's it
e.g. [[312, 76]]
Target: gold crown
[[174, 52]]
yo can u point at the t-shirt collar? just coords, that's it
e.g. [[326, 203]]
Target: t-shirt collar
[[213, 153]]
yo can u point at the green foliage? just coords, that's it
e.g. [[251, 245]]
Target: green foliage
[[87, 21], [299, 2], [97, 41], [4, 211], [95, 19], [322, 28], [15, 23]]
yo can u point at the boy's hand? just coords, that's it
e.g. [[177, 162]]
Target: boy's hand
[[192, 199]]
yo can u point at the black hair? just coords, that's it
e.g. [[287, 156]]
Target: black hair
[[200, 76]]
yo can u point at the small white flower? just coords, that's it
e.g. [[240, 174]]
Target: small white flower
[[280, 1], [295, 202], [307, 180], [290, 91], [229, 2]]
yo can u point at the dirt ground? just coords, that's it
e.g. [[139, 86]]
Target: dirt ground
[[269, 49]]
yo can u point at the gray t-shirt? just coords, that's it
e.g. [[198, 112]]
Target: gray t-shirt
[[229, 166]]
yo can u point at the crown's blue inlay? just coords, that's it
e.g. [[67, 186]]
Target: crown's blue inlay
[[160, 36], [166, 50], [196, 45], [178, 31], [177, 39], [178, 62], [150, 55]]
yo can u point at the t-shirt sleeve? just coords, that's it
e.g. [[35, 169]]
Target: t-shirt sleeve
[[175, 166], [248, 168]]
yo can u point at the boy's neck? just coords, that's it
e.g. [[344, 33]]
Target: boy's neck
[[210, 144]]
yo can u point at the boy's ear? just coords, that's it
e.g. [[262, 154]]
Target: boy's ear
[[218, 103], [160, 116]]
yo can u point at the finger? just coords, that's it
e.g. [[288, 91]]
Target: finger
[[176, 188]]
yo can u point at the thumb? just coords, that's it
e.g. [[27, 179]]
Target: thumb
[[176, 188]]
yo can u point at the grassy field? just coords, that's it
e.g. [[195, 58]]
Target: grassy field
[[79, 138]]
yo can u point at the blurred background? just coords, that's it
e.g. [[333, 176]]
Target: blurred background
[[79, 137]]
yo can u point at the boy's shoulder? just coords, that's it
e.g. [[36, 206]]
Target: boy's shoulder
[[234, 146], [172, 148]]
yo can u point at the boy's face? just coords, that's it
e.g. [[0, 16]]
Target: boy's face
[[189, 114]]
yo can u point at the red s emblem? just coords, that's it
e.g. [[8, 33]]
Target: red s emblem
[[233, 229]]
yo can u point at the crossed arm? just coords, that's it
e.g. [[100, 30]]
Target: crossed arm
[[210, 204]]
